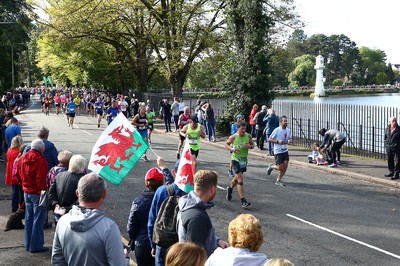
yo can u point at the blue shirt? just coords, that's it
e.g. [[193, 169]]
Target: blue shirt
[[98, 106], [10, 132], [114, 112], [71, 106]]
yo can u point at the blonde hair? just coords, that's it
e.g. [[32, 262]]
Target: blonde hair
[[77, 164], [16, 142], [278, 262], [186, 253], [245, 232], [64, 157]]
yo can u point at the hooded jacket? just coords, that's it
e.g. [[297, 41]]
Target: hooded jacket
[[32, 170], [237, 257], [87, 237], [194, 224], [50, 153]]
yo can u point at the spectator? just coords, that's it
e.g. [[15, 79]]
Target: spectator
[[260, 125], [334, 140], [252, 123], [184, 254], [392, 145], [175, 112], [245, 239], [167, 115], [278, 262], [11, 155], [139, 216], [62, 191], [32, 170], [12, 130], [210, 122], [85, 236], [63, 157], [194, 224], [271, 122]]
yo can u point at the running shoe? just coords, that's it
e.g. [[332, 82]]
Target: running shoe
[[231, 174], [332, 165], [144, 158], [98, 125], [178, 156], [269, 169], [245, 203], [229, 193], [338, 163], [149, 142], [280, 183]]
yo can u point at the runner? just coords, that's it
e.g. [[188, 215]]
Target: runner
[[112, 111], [141, 124], [238, 117], [123, 105], [71, 109], [46, 103], [77, 101], [98, 105], [193, 131], [281, 136], [239, 144], [184, 119], [64, 101], [150, 120], [57, 102]]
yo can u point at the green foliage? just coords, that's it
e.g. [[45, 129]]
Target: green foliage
[[224, 124], [246, 72], [381, 78], [303, 73], [337, 82]]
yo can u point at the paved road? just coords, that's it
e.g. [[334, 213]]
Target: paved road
[[319, 218]]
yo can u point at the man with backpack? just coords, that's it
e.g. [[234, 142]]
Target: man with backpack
[[260, 126], [165, 196], [194, 224]]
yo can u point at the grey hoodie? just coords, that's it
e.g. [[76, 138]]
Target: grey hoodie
[[237, 257], [193, 223], [87, 237]]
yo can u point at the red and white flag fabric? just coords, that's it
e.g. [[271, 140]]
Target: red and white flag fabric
[[184, 175], [117, 150]]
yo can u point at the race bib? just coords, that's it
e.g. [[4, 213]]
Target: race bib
[[284, 147], [142, 128], [193, 141], [242, 162]]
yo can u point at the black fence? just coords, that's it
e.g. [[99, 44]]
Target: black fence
[[363, 126]]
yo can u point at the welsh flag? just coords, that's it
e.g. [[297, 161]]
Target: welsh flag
[[117, 150], [185, 173]]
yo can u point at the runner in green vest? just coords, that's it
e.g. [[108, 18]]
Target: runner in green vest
[[239, 144], [193, 132], [150, 122]]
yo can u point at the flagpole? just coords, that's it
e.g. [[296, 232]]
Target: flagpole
[[153, 151]]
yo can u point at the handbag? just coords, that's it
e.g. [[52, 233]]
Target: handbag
[[44, 200]]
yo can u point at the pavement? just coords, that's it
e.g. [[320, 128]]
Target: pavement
[[12, 251]]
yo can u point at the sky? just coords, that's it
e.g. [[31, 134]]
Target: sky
[[370, 23]]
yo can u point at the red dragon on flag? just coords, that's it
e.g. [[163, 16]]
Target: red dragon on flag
[[117, 150], [185, 173]]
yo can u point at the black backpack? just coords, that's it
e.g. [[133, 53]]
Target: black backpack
[[164, 231]]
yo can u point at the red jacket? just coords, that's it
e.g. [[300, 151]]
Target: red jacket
[[11, 155], [252, 115], [32, 169]]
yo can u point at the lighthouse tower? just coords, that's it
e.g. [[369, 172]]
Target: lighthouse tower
[[319, 82]]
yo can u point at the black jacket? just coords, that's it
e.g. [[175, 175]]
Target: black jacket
[[392, 141], [138, 217], [62, 191]]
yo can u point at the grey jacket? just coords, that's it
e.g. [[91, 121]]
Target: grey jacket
[[194, 224], [87, 237]]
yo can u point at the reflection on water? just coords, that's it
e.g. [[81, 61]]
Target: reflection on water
[[383, 99]]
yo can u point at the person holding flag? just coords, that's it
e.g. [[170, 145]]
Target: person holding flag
[[239, 144], [193, 132], [140, 123]]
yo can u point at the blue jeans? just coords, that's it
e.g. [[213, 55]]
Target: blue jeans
[[210, 128], [34, 217], [17, 197], [161, 253]]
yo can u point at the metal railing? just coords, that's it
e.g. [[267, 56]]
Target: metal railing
[[364, 126]]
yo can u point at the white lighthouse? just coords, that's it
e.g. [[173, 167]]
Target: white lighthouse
[[319, 82]]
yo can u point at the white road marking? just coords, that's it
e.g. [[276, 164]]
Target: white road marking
[[222, 188], [87, 132], [344, 236]]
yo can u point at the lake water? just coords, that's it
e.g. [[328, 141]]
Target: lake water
[[382, 99]]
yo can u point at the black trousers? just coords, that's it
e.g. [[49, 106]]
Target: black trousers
[[260, 138], [393, 161]]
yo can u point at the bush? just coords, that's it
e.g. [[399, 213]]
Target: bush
[[224, 124], [337, 82]]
